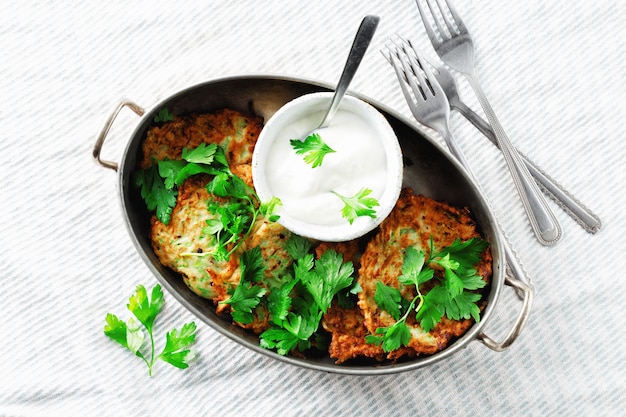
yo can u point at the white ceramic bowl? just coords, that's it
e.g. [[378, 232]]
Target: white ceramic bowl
[[301, 212]]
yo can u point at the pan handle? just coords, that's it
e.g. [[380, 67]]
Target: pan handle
[[526, 294], [105, 130]]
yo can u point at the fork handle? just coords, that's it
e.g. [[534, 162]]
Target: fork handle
[[542, 220], [576, 210]]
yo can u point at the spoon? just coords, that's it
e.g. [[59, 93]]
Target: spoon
[[363, 37]]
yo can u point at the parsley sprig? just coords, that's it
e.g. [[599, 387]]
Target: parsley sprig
[[297, 307], [234, 218], [130, 335], [297, 303], [358, 205], [313, 148], [247, 295], [451, 296]]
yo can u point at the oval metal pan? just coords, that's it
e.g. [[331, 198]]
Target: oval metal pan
[[428, 170]]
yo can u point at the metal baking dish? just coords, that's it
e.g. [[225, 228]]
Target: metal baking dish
[[428, 169]]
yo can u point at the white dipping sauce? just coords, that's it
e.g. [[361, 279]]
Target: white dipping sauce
[[359, 161]]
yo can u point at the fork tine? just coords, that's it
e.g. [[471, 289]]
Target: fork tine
[[414, 74], [425, 59], [452, 29], [426, 67], [433, 11], [457, 18], [414, 67], [402, 80], [432, 35], [422, 69]]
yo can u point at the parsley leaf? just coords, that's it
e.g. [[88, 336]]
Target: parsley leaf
[[252, 265], [244, 300], [146, 309], [392, 337], [330, 276], [203, 154], [126, 334], [247, 296], [358, 205], [296, 308], [389, 299], [313, 148], [296, 329], [176, 350], [234, 223], [453, 283], [413, 271], [463, 306], [431, 311], [467, 253], [279, 338], [131, 336], [450, 296], [297, 246], [279, 301], [163, 115], [270, 208], [155, 194]]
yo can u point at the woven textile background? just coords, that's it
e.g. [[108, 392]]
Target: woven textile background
[[554, 72]]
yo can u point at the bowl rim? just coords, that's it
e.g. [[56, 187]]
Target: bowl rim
[[314, 103]]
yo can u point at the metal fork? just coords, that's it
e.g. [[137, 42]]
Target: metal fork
[[430, 106], [455, 47], [576, 210]]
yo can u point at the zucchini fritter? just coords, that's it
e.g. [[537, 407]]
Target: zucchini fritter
[[183, 245], [235, 132], [412, 222]]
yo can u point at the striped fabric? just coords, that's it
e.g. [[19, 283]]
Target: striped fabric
[[555, 75]]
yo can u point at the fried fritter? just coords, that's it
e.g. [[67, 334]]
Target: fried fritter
[[235, 132], [183, 246], [347, 327], [412, 222]]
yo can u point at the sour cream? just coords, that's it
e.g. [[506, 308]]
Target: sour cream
[[307, 193], [366, 156]]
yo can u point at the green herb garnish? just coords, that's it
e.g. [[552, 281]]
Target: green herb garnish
[[155, 193], [163, 115], [358, 205], [234, 218], [313, 148], [296, 308], [130, 335], [247, 295], [450, 296]]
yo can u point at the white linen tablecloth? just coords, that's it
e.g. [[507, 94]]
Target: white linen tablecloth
[[554, 72]]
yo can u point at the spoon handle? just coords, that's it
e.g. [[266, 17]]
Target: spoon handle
[[359, 46]]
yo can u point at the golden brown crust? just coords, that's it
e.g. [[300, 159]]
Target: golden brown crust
[[412, 222], [348, 332], [182, 245], [235, 132]]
